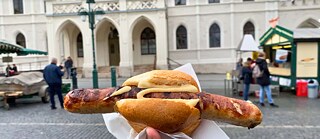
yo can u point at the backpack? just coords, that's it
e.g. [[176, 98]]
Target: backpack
[[256, 73]]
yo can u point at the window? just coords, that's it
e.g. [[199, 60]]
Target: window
[[215, 36], [248, 29], [21, 40], [148, 42], [79, 45], [180, 2], [214, 1], [18, 6], [182, 38]]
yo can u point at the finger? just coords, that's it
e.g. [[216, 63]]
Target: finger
[[152, 133]]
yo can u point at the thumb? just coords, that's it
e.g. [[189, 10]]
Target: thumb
[[152, 133]]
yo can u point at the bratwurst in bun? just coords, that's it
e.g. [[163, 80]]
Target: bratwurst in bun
[[167, 100]]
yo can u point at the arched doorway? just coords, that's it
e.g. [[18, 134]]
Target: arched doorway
[[70, 43], [108, 51], [114, 51]]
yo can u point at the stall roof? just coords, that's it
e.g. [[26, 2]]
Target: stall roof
[[276, 36], [248, 44], [8, 48], [308, 33], [282, 36]]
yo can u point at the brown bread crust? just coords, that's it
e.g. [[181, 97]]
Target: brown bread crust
[[166, 116]]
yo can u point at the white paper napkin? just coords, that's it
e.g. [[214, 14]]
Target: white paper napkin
[[119, 127]]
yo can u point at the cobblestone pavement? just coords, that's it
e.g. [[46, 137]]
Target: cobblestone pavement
[[296, 118]]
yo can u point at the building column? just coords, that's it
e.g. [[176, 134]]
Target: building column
[[162, 41], [53, 41], [87, 50], [125, 41]]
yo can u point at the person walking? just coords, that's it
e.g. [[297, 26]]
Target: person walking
[[239, 66], [264, 80], [247, 77], [68, 64], [53, 76]]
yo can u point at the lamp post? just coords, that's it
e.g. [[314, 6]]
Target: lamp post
[[91, 12]]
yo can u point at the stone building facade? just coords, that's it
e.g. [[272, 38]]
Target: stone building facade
[[141, 35]]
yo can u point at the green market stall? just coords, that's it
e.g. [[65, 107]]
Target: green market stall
[[24, 85], [9, 48], [300, 54]]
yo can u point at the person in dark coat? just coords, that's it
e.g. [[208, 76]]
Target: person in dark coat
[[9, 71], [264, 80], [14, 68], [247, 77], [68, 65], [53, 76]]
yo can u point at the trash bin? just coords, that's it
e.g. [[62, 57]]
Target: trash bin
[[302, 88], [312, 88]]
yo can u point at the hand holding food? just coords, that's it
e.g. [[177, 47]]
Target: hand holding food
[[166, 100]]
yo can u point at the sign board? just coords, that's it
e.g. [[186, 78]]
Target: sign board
[[281, 56], [7, 59], [307, 59]]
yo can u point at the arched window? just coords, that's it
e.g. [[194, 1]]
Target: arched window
[[18, 6], [79, 45], [180, 2], [215, 36], [21, 40], [148, 42], [249, 29], [214, 1], [182, 38]]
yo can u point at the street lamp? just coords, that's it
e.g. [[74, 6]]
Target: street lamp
[[91, 12]]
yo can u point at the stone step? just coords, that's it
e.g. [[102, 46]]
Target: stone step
[[138, 69]]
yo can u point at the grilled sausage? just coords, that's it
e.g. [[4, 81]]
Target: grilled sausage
[[212, 107]]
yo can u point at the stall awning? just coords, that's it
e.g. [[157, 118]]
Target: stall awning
[[248, 44], [26, 51], [277, 36], [306, 33], [9, 48]]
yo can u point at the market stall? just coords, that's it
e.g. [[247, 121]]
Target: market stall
[[25, 84], [246, 46], [292, 54]]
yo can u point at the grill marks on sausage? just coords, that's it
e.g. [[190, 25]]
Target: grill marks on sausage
[[88, 95], [237, 107], [172, 95], [132, 94], [91, 95]]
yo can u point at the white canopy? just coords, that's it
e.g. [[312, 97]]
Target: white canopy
[[248, 44]]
